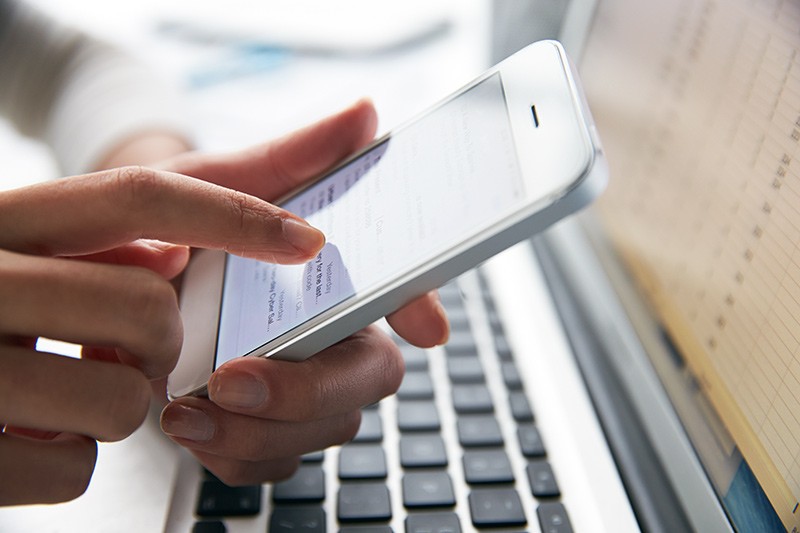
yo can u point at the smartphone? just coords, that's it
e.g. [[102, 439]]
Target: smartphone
[[498, 161]]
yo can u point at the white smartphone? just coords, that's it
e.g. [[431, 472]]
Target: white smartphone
[[496, 162]]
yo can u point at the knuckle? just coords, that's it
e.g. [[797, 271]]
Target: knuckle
[[320, 393], [278, 169], [135, 185], [245, 208], [315, 396], [239, 207], [392, 366], [248, 216], [388, 366], [381, 377]]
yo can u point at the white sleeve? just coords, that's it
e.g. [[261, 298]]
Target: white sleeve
[[79, 95]]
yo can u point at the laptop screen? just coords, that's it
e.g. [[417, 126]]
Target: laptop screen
[[698, 105]]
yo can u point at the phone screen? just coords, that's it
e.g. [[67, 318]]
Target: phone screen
[[431, 184]]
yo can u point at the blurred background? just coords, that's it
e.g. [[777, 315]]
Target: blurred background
[[250, 70]]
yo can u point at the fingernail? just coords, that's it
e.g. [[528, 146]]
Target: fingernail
[[187, 423], [305, 238], [237, 389]]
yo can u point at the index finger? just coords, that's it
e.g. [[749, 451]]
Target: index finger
[[96, 212]]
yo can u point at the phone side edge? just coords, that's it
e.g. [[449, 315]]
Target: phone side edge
[[200, 306], [584, 190]]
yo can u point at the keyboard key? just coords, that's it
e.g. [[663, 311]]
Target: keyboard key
[[371, 428], [553, 518], [419, 451], [465, 369], [300, 518], [428, 489], [362, 461], [417, 415], [487, 466], [542, 480], [364, 502], [458, 318], [450, 295], [530, 442], [501, 343], [496, 325], [473, 398], [520, 407], [460, 343], [478, 430], [496, 508], [209, 526], [415, 358], [416, 385], [218, 499], [433, 523], [306, 485], [511, 375], [365, 529]]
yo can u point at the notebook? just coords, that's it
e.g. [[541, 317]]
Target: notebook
[[633, 368]]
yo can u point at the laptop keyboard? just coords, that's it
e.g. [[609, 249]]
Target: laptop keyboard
[[456, 449]]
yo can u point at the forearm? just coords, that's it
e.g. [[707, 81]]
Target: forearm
[[94, 106]]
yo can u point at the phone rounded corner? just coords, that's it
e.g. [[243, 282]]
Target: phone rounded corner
[[593, 182], [182, 389]]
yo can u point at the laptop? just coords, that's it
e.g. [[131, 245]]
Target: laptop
[[633, 368]]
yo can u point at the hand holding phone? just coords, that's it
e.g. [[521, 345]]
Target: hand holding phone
[[491, 165], [262, 413]]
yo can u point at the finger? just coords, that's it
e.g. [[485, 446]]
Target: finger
[[422, 322], [165, 259], [97, 212], [273, 169], [237, 472], [93, 304], [60, 394], [199, 424], [45, 471], [356, 372]]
